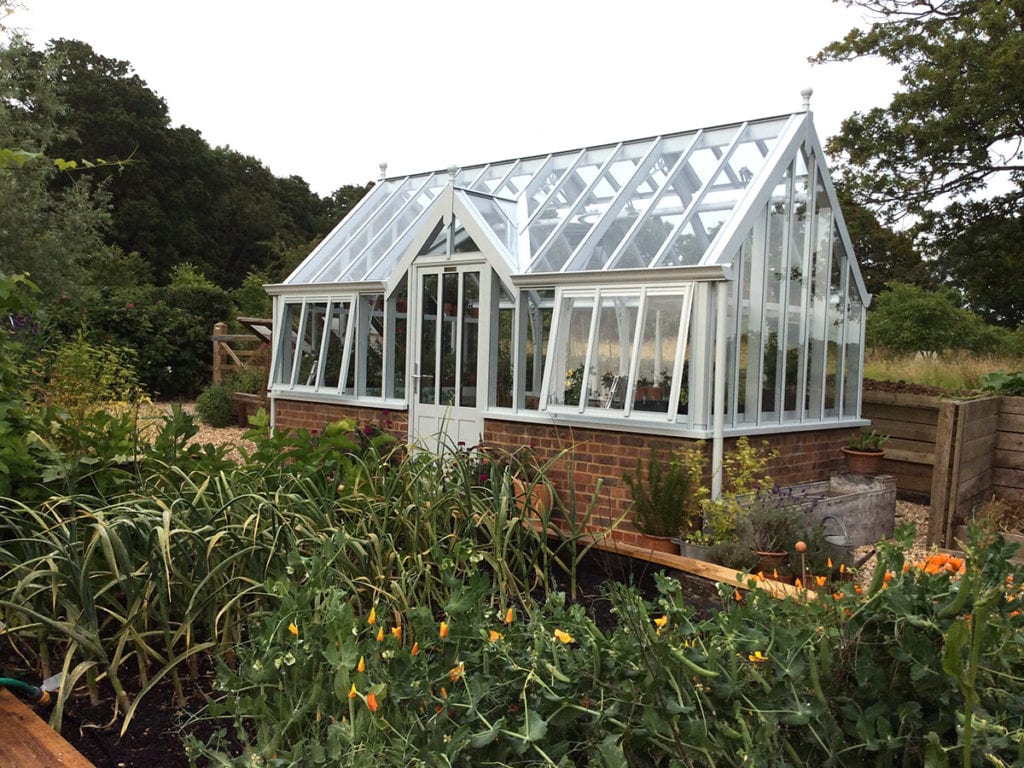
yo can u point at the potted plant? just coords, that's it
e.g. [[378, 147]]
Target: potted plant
[[770, 526], [646, 390], [864, 452], [662, 507]]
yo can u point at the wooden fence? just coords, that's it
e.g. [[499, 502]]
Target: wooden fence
[[235, 351], [951, 453]]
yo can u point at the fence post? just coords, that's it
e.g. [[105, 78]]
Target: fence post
[[219, 329]]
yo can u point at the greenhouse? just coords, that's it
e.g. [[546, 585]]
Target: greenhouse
[[691, 285]]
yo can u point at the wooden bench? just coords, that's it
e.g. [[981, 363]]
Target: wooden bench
[[26, 741]]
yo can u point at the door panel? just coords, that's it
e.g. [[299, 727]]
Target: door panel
[[448, 376]]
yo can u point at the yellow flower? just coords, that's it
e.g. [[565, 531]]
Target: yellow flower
[[455, 673], [415, 649], [443, 630], [444, 693], [563, 637], [821, 580], [352, 693], [661, 621], [361, 666], [509, 615], [494, 636], [372, 618], [798, 584], [757, 657], [293, 629], [380, 634], [396, 632]]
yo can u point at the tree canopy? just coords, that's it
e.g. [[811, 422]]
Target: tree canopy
[[946, 153]]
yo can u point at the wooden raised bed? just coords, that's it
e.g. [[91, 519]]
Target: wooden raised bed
[[26, 741]]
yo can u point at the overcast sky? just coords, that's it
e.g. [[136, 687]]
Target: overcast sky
[[328, 90]]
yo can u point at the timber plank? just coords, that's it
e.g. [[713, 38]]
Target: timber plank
[[905, 430], [976, 426], [1007, 478], [26, 741], [901, 414], [1010, 441], [1012, 460], [1012, 422], [900, 398], [1011, 405]]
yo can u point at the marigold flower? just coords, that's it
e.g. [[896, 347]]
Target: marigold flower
[[415, 649], [509, 615], [396, 632], [821, 580], [361, 666], [380, 634], [293, 629], [563, 637], [371, 702], [352, 692], [455, 673], [372, 618], [661, 621], [494, 636], [757, 657], [443, 631], [1014, 614]]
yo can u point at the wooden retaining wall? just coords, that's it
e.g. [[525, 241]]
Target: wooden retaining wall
[[235, 351], [950, 453], [1008, 462]]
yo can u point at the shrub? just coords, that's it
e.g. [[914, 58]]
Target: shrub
[[214, 405]]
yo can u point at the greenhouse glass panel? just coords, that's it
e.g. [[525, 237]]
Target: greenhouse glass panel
[[287, 346], [538, 307], [795, 386], [570, 351], [449, 358], [817, 301], [499, 216], [524, 172], [470, 338], [371, 345], [312, 334], [429, 306], [490, 179], [437, 243], [333, 245], [852, 351], [836, 313], [377, 260], [376, 223], [503, 375], [334, 352], [561, 200], [608, 382], [657, 352], [398, 312]]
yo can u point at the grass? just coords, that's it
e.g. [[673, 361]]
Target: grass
[[955, 372]]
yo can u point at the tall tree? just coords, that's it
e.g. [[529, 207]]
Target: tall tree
[[947, 150]]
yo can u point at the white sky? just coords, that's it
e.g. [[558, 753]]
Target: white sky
[[327, 90]]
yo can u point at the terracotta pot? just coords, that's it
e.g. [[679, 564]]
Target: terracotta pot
[[863, 462], [771, 561]]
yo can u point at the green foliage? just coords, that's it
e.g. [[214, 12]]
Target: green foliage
[[744, 473], [1003, 383], [250, 298], [867, 440], [906, 318], [213, 405], [661, 495], [946, 140]]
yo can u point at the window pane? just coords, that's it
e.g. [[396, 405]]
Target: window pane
[[335, 352], [449, 304], [470, 338], [567, 374], [504, 379], [608, 383], [372, 309], [657, 352], [852, 354], [539, 307], [287, 347], [397, 342], [312, 336], [428, 344]]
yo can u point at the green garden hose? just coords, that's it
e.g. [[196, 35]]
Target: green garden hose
[[34, 693]]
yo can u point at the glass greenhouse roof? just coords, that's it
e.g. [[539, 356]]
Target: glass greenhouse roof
[[653, 202]]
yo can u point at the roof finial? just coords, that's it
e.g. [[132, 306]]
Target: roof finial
[[806, 94], [383, 170], [452, 170]]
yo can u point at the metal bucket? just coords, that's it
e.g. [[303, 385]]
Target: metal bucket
[[837, 539]]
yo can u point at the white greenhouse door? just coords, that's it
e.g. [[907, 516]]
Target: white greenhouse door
[[449, 355]]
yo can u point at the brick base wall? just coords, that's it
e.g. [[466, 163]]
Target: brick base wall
[[296, 414], [593, 455]]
